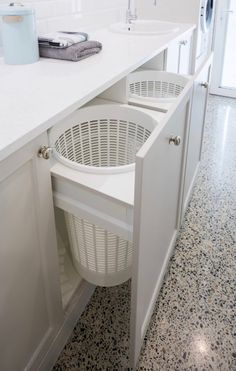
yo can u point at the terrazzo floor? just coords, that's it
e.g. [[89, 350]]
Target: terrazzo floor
[[194, 323]]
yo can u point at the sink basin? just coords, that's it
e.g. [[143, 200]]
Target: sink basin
[[145, 27]]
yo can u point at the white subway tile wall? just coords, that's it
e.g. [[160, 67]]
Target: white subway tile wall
[[53, 15]]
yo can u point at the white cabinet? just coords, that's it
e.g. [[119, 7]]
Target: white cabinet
[[198, 111], [179, 54], [30, 303], [158, 196], [31, 311]]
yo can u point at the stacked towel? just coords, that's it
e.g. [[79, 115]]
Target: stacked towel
[[62, 39], [74, 53], [71, 46]]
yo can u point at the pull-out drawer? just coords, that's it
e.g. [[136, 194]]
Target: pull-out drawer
[[93, 182]]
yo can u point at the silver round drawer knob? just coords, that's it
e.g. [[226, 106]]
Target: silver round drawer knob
[[205, 85], [175, 140], [44, 152]]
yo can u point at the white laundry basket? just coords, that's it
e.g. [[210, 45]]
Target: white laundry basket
[[155, 86], [100, 139]]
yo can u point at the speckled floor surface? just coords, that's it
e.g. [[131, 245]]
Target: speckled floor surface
[[194, 323]]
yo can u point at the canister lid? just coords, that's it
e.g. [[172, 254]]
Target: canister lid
[[15, 9]]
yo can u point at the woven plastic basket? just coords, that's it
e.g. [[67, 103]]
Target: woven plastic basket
[[100, 139], [156, 85]]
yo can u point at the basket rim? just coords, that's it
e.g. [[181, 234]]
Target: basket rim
[[164, 74], [83, 115]]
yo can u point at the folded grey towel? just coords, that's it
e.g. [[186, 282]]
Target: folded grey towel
[[74, 53]]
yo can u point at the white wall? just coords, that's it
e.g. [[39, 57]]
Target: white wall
[[186, 11], [54, 15]]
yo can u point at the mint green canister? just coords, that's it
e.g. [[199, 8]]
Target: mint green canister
[[19, 36]]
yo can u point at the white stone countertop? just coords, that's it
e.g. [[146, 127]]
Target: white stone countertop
[[35, 97]]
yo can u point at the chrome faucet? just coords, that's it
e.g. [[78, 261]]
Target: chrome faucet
[[129, 15]]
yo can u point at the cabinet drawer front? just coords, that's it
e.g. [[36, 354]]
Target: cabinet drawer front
[[158, 199], [196, 129], [185, 55], [29, 292]]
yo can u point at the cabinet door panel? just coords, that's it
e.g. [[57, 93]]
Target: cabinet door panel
[[196, 129], [29, 294], [158, 197]]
